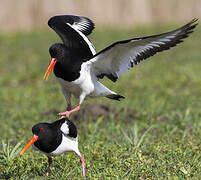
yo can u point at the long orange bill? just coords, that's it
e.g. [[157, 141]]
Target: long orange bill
[[31, 141], [50, 67]]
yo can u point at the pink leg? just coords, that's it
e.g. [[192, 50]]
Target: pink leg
[[67, 113], [68, 107], [83, 165], [49, 164]]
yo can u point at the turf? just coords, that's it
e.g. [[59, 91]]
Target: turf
[[152, 134]]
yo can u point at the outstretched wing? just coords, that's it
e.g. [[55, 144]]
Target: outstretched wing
[[123, 55], [73, 31]]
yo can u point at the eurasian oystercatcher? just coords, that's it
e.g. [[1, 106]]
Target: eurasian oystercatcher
[[78, 67], [54, 139]]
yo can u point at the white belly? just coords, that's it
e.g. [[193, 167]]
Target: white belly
[[83, 85], [67, 145], [70, 87], [86, 85]]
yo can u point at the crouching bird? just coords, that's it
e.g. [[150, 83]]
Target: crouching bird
[[78, 67], [54, 139]]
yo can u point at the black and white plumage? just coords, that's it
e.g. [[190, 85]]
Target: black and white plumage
[[55, 138], [73, 31], [78, 67]]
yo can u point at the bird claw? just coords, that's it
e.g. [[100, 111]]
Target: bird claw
[[64, 114], [67, 113], [62, 117]]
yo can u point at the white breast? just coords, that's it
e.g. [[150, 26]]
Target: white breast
[[67, 145], [70, 87], [83, 84]]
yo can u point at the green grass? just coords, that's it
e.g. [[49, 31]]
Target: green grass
[[159, 139]]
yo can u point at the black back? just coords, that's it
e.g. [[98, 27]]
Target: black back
[[72, 129], [50, 135]]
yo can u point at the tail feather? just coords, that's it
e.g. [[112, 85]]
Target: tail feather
[[115, 97]]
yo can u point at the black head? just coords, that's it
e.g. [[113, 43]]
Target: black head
[[58, 54], [41, 130], [49, 136], [58, 51], [46, 137]]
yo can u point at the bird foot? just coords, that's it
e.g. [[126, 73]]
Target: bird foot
[[64, 114], [67, 113]]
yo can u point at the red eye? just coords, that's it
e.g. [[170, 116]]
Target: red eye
[[42, 129], [59, 51]]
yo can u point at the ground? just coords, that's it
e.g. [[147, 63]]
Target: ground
[[152, 134]]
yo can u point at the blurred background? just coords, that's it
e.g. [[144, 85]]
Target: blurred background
[[28, 14], [153, 134]]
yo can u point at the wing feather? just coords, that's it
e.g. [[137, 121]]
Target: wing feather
[[73, 31], [123, 55]]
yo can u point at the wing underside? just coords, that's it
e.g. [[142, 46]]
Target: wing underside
[[123, 55]]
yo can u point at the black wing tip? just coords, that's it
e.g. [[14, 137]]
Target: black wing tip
[[115, 97], [194, 20], [112, 77], [109, 76], [193, 23], [188, 28]]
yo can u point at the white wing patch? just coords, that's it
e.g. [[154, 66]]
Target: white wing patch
[[77, 28], [64, 128], [82, 25]]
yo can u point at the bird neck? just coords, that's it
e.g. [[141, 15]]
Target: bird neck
[[67, 70]]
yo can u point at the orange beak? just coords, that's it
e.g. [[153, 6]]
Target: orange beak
[[31, 141], [50, 67]]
